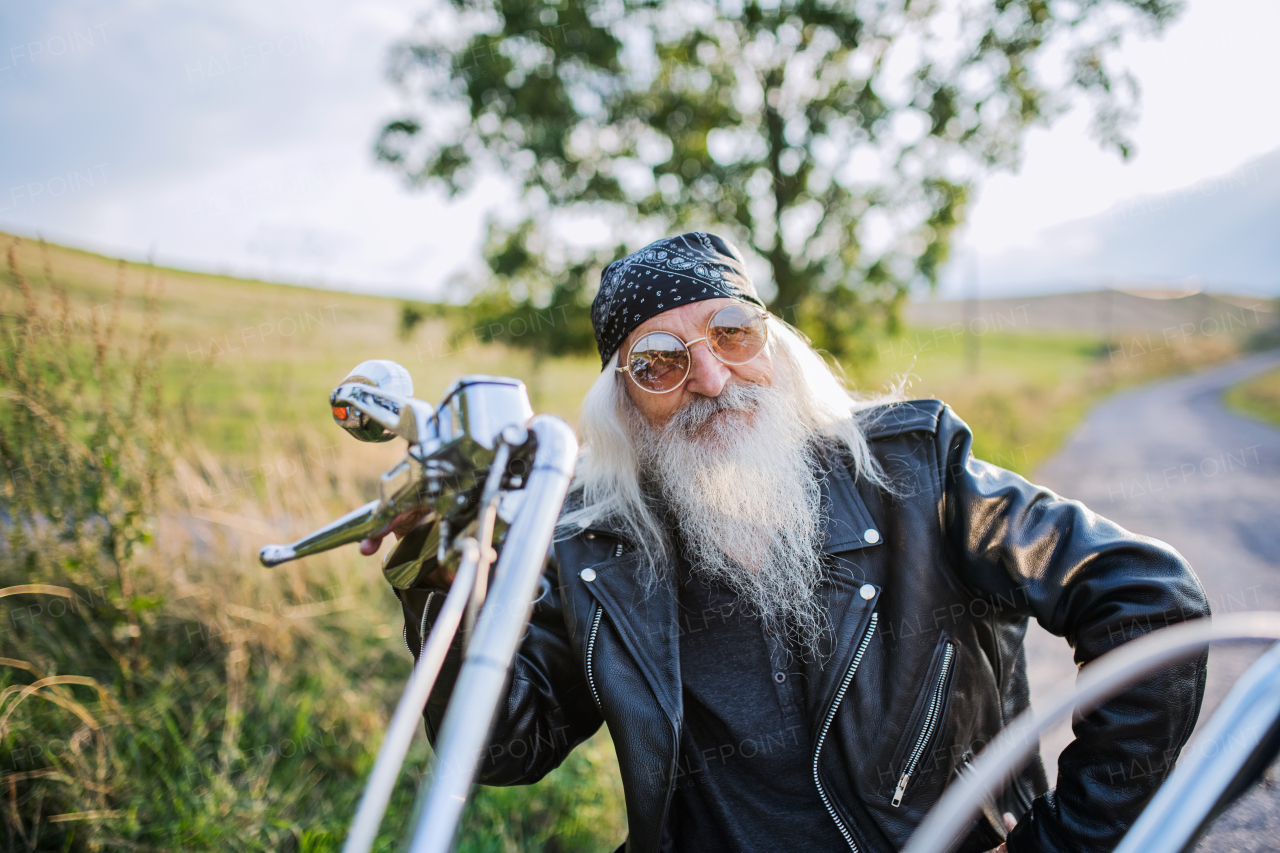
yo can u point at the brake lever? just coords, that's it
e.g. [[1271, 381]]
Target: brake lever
[[354, 526]]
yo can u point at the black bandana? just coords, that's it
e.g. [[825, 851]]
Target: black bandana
[[664, 275]]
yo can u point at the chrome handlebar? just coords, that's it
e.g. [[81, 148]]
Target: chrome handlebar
[[480, 446], [450, 450]]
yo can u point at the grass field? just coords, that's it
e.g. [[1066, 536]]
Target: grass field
[[1258, 398], [158, 689]]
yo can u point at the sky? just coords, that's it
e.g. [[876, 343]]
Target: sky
[[1208, 109], [237, 137]]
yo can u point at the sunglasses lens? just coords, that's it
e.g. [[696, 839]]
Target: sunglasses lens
[[659, 362], [736, 334]]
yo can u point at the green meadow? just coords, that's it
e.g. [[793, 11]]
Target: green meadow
[[1258, 398]]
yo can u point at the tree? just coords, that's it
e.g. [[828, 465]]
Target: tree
[[837, 142]]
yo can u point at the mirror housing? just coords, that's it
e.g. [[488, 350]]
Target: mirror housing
[[387, 376]]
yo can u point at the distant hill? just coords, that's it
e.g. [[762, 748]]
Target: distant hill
[[1222, 234], [1104, 312]]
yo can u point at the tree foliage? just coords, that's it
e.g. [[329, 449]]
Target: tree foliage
[[837, 142]]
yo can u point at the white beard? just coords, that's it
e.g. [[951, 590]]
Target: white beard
[[738, 474]]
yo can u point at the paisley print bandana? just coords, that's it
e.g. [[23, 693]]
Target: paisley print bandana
[[663, 275]]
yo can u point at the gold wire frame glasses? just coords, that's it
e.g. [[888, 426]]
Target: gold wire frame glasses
[[659, 362]]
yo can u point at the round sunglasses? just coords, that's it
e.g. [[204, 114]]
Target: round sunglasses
[[659, 362]]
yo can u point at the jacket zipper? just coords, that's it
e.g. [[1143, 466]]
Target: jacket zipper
[[405, 632], [591, 643], [422, 627], [835, 706], [930, 724], [591, 648]]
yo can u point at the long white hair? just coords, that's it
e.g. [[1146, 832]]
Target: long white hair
[[607, 484]]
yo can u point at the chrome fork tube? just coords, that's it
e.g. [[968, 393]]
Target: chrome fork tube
[[465, 729], [408, 715], [489, 497]]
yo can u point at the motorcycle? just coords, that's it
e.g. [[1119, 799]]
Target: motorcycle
[[488, 478]]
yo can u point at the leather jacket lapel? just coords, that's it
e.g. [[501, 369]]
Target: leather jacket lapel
[[849, 596], [849, 522], [646, 620]]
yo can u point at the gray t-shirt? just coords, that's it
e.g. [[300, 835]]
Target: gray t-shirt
[[744, 775]]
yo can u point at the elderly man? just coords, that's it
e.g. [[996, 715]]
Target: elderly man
[[799, 613]]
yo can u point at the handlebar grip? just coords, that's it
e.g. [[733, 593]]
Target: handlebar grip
[[352, 527]]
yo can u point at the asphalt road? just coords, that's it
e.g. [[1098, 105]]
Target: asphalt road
[[1169, 460]]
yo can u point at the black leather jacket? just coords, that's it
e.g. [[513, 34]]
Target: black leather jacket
[[929, 595]]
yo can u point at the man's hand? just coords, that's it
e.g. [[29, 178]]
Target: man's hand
[[400, 526], [1009, 823]]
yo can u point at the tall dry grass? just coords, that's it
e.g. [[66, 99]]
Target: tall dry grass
[[158, 688]]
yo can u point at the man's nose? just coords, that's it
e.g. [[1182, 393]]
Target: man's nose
[[707, 374]]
